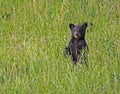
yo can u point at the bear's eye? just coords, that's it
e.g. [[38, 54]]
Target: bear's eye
[[74, 31]]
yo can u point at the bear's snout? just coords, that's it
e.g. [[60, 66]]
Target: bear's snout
[[76, 35]]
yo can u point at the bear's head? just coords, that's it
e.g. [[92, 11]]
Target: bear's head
[[78, 31]]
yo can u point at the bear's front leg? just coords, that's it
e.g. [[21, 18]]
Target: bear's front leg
[[85, 55], [67, 51]]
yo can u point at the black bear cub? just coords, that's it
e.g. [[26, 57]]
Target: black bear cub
[[77, 46]]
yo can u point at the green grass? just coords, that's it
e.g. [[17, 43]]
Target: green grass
[[33, 35]]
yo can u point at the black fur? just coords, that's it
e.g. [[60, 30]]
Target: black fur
[[77, 46]]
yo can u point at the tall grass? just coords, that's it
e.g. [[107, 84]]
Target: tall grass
[[33, 35]]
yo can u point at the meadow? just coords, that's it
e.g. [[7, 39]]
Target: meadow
[[33, 35]]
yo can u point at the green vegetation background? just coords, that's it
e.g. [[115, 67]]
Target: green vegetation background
[[33, 35]]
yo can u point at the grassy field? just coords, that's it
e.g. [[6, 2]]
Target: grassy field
[[33, 35]]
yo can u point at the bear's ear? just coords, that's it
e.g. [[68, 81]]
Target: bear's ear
[[71, 25], [84, 25]]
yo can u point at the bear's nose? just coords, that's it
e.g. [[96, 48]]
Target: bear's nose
[[77, 34]]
